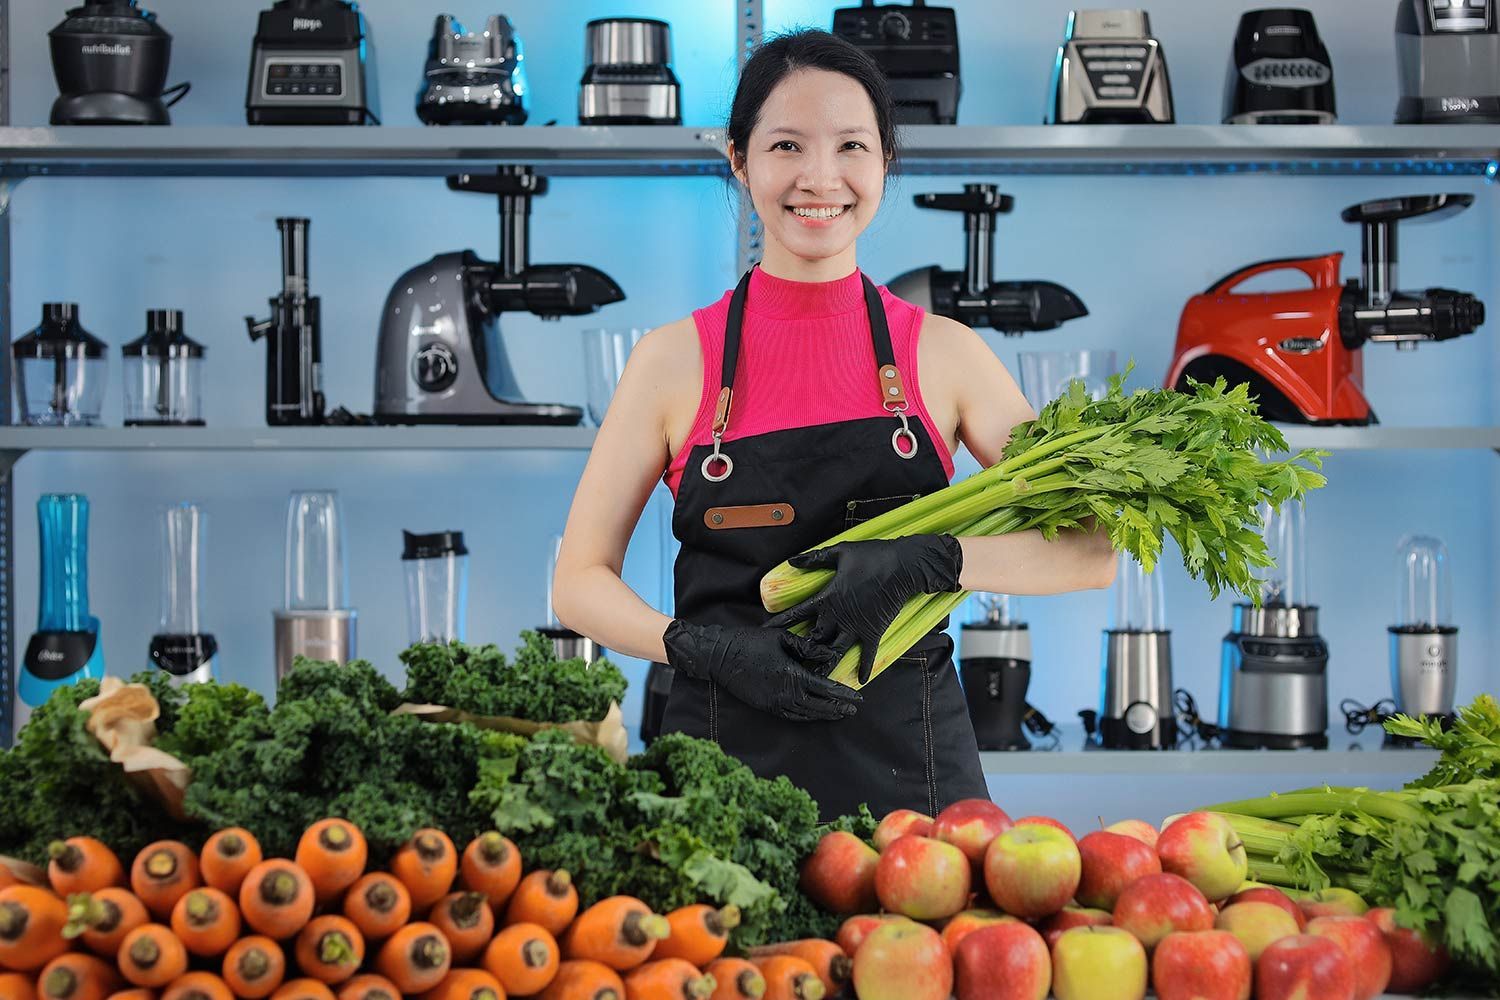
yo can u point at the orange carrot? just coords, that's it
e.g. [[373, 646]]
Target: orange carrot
[[667, 979], [426, 865], [102, 919], [227, 857], [828, 960], [466, 984], [330, 948], [82, 864], [15, 986], [151, 955], [584, 980], [620, 931], [162, 874], [198, 986], [333, 852], [491, 864], [466, 921], [134, 993], [77, 976], [378, 904], [276, 898], [790, 978], [207, 922], [254, 967], [303, 989], [736, 979], [523, 957], [699, 933], [369, 987], [31, 923], [544, 897], [415, 958]]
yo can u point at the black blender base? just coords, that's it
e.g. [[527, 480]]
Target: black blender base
[[105, 108], [1236, 739]]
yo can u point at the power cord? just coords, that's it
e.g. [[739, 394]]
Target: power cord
[[1357, 717], [1191, 725], [1041, 727]]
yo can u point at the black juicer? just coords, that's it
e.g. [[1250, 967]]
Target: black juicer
[[972, 296], [309, 66], [995, 669], [440, 358], [917, 47], [1448, 61], [1279, 71], [294, 339], [473, 78], [110, 59]]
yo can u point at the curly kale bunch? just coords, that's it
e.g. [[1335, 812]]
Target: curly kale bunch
[[535, 685]]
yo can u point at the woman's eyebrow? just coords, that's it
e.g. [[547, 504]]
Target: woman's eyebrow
[[783, 130]]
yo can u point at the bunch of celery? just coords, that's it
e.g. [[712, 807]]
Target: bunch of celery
[[1430, 851], [1140, 465]]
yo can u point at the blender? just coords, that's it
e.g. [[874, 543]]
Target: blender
[[437, 586], [1273, 686], [995, 668], [1135, 707], [314, 620], [65, 647], [566, 644], [1424, 642], [180, 648], [60, 371], [163, 373]]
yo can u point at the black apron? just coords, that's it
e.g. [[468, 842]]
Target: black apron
[[744, 507]]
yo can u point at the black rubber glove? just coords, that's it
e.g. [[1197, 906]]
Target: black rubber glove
[[763, 667], [872, 581]]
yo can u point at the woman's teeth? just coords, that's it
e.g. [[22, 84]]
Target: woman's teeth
[[820, 213]]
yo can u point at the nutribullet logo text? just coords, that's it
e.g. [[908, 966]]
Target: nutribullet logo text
[[106, 49]]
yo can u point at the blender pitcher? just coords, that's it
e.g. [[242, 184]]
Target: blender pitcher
[[66, 646], [180, 648], [1424, 640], [314, 620], [437, 586]]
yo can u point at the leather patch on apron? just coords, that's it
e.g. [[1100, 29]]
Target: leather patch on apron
[[761, 515]]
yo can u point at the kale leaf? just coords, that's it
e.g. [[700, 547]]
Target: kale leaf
[[535, 685]]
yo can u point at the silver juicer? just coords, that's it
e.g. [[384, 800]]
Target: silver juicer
[[1136, 710], [1110, 71]]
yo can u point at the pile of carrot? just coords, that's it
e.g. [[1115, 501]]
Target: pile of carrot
[[226, 923]]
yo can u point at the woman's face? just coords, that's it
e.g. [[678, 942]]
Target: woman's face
[[813, 163]]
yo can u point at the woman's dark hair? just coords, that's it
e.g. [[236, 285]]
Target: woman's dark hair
[[778, 58]]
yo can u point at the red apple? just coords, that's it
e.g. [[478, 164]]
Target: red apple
[[967, 922], [1301, 967], [1044, 821], [1069, 917], [922, 878], [839, 875], [1334, 901], [1365, 945], [1006, 961], [854, 930], [1098, 963], [1032, 871], [970, 825], [903, 960], [1257, 925], [1204, 849], [1110, 862], [1201, 965], [1418, 959], [1137, 828], [1158, 905], [1274, 896], [898, 824]]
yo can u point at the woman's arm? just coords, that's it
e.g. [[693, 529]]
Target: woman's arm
[[984, 403], [629, 456]]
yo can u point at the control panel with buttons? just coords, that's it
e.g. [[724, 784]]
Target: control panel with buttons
[[1462, 15], [1116, 72], [1287, 72], [304, 79]]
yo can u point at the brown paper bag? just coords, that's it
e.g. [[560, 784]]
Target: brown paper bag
[[608, 733], [123, 719]]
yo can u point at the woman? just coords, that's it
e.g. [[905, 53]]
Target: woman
[[805, 401]]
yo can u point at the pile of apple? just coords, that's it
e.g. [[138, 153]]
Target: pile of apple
[[975, 905]]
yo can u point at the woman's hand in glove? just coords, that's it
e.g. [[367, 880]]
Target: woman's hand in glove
[[767, 668], [871, 583]]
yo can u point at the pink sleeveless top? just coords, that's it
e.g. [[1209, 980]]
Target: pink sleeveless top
[[805, 359]]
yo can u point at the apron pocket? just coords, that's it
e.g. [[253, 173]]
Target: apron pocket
[[859, 511]]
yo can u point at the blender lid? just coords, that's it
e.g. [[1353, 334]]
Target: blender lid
[[163, 338], [433, 546], [59, 336]]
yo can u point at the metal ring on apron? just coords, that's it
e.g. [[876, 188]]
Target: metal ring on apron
[[904, 431], [719, 456]]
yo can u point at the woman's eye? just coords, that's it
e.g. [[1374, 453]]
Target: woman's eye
[[786, 145], [856, 144]]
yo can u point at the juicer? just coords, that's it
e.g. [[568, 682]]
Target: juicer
[[294, 338], [1424, 640], [1136, 710], [994, 668], [180, 647], [1273, 684], [65, 647]]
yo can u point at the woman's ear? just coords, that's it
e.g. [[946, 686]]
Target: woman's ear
[[736, 163]]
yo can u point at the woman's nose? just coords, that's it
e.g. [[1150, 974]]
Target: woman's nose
[[820, 173]]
